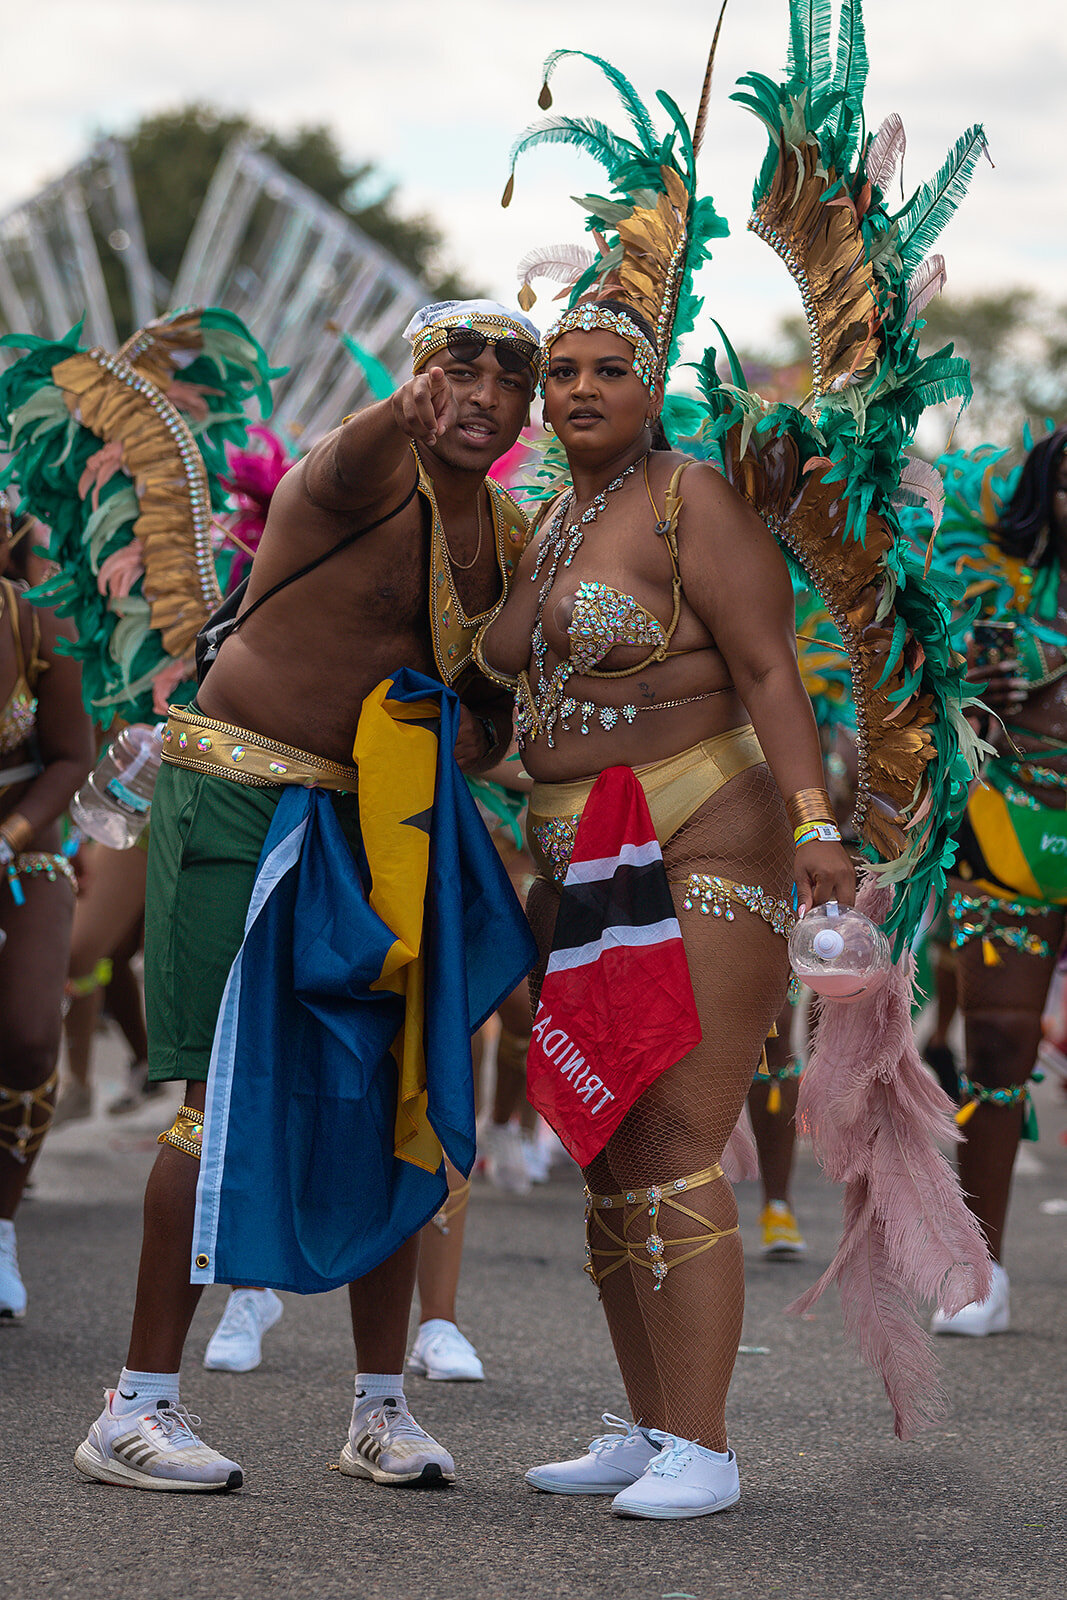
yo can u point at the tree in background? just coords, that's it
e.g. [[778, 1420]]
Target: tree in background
[[173, 155], [1014, 339]]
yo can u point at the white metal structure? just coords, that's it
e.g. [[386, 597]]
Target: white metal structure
[[294, 268]]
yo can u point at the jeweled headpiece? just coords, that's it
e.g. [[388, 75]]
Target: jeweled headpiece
[[589, 315], [428, 330], [652, 231]]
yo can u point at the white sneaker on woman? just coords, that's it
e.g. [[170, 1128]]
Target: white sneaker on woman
[[444, 1354], [237, 1343], [981, 1317], [12, 1288], [683, 1480], [612, 1462]]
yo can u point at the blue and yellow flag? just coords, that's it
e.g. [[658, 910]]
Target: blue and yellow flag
[[342, 1063]]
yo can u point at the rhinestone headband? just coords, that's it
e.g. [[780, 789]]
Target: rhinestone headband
[[584, 318], [434, 337]]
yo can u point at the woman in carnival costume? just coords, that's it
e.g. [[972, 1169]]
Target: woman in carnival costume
[[1006, 533], [106, 454], [45, 753], [661, 618]]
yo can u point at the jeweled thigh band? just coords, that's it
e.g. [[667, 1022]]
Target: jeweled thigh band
[[985, 917], [650, 1253]]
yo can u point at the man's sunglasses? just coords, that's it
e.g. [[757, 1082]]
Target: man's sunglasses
[[512, 354]]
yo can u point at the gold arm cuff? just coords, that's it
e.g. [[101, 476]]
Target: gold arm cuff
[[192, 740], [809, 805], [17, 830], [185, 1132]]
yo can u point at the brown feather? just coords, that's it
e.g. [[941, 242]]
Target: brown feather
[[702, 110]]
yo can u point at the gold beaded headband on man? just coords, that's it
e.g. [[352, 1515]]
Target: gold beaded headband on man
[[508, 338]]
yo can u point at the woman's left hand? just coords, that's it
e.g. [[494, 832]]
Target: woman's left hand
[[823, 872]]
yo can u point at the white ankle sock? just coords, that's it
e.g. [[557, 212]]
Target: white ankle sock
[[141, 1391], [373, 1387]]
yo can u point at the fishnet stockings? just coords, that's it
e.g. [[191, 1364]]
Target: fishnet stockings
[[676, 1343]]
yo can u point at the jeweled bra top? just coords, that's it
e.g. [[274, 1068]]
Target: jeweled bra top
[[603, 618]]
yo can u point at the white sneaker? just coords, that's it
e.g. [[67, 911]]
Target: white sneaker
[[683, 1480], [613, 1462], [236, 1344], [505, 1157], [991, 1315], [153, 1450], [441, 1352], [538, 1158], [75, 1103], [386, 1443], [12, 1288]]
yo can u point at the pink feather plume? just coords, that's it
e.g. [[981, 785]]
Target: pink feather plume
[[876, 1119], [252, 477], [740, 1160]]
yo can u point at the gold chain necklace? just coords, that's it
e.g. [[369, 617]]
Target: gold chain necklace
[[465, 566]]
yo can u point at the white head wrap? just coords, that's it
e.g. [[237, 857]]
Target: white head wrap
[[427, 330]]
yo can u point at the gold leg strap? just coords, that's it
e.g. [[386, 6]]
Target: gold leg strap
[[185, 1132], [456, 1202], [33, 1109], [652, 1253]]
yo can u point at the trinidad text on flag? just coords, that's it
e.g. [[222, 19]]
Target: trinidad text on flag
[[617, 1005]]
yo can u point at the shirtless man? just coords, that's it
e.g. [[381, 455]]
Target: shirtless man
[[297, 676]]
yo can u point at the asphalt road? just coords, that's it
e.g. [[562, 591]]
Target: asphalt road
[[833, 1507]]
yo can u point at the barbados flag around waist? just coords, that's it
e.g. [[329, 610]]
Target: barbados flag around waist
[[341, 1064]]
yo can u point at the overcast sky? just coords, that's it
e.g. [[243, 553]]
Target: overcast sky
[[435, 91]]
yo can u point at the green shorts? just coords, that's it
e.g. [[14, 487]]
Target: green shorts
[[207, 836]]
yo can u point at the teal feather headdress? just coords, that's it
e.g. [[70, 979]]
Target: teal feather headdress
[[123, 457], [819, 201], [652, 230]]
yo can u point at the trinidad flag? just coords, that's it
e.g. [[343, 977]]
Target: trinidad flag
[[617, 1005]]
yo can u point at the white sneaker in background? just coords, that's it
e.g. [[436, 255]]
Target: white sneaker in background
[[442, 1353], [683, 1480], [153, 1450], [12, 1288], [613, 1462], [237, 1343], [505, 1157], [75, 1103], [538, 1158], [386, 1444], [981, 1317]]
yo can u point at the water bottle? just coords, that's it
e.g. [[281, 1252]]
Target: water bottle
[[113, 803], [840, 954]]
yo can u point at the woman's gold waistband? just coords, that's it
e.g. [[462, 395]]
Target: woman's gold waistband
[[192, 740], [698, 771]]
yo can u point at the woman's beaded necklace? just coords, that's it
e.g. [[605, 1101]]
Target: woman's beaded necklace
[[562, 544]]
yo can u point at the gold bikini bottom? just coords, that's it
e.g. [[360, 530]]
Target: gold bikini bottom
[[674, 788]]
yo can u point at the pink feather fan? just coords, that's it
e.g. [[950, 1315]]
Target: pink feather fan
[[876, 1118]]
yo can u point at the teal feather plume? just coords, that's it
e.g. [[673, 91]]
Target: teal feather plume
[[631, 100], [926, 214]]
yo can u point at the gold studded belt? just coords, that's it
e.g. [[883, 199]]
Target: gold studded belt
[[192, 740]]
